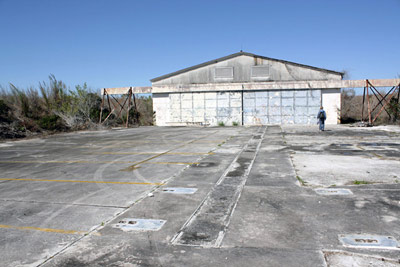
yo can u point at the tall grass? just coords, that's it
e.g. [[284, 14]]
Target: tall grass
[[54, 107]]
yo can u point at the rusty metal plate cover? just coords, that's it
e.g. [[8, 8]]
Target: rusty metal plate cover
[[333, 191], [179, 190], [369, 241]]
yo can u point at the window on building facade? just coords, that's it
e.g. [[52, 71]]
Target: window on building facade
[[224, 72], [260, 71]]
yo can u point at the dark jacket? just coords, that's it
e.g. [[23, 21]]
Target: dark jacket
[[321, 115]]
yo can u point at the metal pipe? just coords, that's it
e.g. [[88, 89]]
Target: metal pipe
[[101, 107], [242, 111], [369, 105], [129, 107], [362, 110]]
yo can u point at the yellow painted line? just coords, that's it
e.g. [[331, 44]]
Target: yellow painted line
[[150, 153], [49, 230], [209, 141], [178, 163], [190, 153], [158, 141], [75, 181], [134, 166], [67, 161], [93, 162]]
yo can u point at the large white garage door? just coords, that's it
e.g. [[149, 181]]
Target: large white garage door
[[259, 107], [281, 107]]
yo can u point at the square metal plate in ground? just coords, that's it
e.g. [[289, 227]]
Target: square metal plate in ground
[[132, 224], [333, 191], [179, 190], [369, 241]]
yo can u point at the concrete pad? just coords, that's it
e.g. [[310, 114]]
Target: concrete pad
[[343, 155], [326, 170], [273, 222], [21, 247], [341, 258]]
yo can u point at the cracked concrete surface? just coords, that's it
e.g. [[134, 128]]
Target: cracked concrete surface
[[266, 217]]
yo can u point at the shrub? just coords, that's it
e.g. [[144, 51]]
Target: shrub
[[51, 123], [4, 112], [394, 109], [221, 123], [145, 110]]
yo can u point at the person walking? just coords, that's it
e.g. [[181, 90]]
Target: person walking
[[321, 118]]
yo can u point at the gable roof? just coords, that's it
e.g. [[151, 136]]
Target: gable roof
[[241, 53]]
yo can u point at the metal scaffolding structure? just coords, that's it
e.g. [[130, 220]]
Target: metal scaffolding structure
[[115, 105], [383, 100]]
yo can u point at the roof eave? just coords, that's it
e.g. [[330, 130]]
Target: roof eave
[[236, 55]]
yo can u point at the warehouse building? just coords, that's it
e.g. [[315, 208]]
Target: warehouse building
[[245, 89]]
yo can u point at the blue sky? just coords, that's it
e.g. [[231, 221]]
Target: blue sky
[[126, 43]]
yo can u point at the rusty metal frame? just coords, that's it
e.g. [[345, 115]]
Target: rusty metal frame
[[383, 100], [127, 104]]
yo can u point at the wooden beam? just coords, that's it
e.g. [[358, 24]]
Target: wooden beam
[[253, 86], [125, 90], [282, 85]]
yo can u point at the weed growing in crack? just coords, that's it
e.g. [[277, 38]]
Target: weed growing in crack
[[302, 182], [361, 182]]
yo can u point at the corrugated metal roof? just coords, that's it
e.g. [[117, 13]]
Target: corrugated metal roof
[[236, 55]]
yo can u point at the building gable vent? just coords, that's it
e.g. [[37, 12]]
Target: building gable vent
[[224, 72], [261, 71]]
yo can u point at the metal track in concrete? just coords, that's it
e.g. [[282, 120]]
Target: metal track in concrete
[[207, 226]]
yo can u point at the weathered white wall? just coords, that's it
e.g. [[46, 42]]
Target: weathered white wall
[[281, 107], [208, 108], [198, 96], [162, 108], [278, 71], [259, 107], [331, 101]]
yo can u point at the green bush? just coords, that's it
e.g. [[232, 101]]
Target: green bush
[[4, 108], [145, 110], [51, 123], [221, 123], [4, 112], [394, 109], [94, 110]]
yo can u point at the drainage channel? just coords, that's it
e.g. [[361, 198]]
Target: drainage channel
[[207, 226]]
